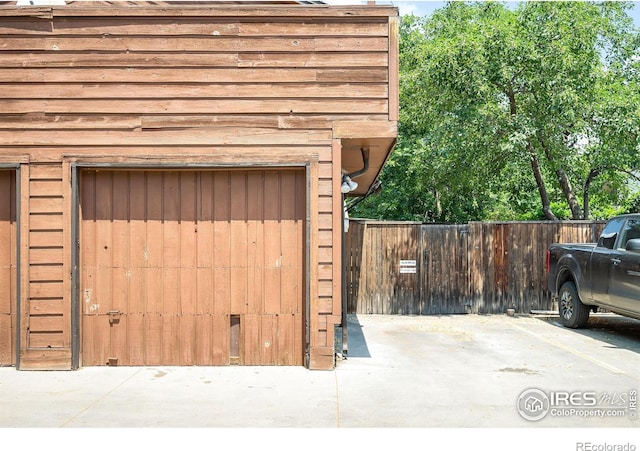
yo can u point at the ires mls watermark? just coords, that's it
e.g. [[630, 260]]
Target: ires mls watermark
[[534, 404]]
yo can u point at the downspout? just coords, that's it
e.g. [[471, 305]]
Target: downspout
[[75, 260], [19, 237], [307, 263], [345, 336], [365, 164]]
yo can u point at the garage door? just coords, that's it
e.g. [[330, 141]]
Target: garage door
[[8, 278], [192, 267]]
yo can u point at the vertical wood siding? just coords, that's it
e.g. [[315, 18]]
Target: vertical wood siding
[[8, 267], [474, 268], [168, 257], [445, 269]]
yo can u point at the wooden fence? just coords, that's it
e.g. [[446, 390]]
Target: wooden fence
[[409, 268]]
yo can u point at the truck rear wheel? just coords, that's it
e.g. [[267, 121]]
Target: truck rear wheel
[[573, 313]]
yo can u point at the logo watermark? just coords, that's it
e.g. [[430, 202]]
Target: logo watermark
[[588, 446], [534, 404]]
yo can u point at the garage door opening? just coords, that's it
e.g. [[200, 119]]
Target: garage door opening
[[8, 268], [174, 264]]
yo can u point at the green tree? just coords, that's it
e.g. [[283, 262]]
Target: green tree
[[498, 104]]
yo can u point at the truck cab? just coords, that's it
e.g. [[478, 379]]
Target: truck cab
[[624, 279], [606, 275]]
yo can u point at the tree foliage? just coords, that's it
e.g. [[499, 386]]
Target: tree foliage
[[515, 113]]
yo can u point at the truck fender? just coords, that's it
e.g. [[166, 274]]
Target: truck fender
[[569, 269]]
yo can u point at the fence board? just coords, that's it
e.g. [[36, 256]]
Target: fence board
[[474, 268]]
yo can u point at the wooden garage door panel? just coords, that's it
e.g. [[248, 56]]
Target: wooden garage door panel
[[168, 257], [8, 257]]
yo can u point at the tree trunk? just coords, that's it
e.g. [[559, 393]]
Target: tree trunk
[[542, 189], [565, 184], [593, 173], [535, 165], [563, 180], [436, 195]]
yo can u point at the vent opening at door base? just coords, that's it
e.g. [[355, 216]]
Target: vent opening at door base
[[234, 339]]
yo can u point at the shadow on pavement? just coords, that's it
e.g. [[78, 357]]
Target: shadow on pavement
[[357, 343], [614, 330]]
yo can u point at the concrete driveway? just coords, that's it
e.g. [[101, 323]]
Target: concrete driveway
[[462, 371]]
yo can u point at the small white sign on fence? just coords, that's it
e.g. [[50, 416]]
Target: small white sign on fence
[[407, 267]]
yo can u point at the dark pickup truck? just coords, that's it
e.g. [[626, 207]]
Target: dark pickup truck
[[605, 275]]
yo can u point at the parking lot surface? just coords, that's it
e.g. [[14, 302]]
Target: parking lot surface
[[465, 371]]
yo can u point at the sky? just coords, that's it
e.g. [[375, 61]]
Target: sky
[[425, 8]]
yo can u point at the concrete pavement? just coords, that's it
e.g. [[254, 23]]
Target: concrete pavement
[[464, 371]]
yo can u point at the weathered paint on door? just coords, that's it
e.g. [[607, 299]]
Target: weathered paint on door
[[8, 267], [170, 259]]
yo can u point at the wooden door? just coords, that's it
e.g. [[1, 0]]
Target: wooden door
[[8, 267], [171, 259]]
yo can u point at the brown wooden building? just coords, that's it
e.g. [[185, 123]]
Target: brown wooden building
[[170, 177]]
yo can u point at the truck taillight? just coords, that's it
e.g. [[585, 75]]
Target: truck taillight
[[548, 261]]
